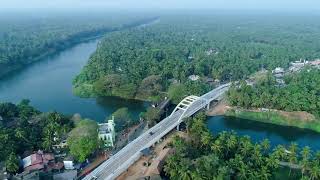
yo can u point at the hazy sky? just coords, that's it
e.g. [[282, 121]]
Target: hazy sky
[[161, 4]]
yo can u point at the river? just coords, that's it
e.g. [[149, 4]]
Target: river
[[258, 131], [48, 85]]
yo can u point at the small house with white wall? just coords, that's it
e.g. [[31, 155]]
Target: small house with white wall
[[107, 132]]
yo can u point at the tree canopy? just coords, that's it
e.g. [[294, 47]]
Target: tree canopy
[[83, 139], [149, 61]]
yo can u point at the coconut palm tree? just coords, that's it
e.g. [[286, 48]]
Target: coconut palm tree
[[265, 144], [293, 155], [315, 171], [305, 154]]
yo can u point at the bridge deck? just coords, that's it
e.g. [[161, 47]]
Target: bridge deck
[[122, 160]]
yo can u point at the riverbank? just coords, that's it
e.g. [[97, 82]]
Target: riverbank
[[72, 40], [294, 119], [8, 70], [301, 120]]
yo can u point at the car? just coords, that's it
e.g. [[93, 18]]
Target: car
[[151, 133]]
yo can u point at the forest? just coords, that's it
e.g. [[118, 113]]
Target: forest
[[229, 156], [24, 129], [301, 93], [26, 38], [156, 60]]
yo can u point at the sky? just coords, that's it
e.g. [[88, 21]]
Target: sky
[[298, 5]]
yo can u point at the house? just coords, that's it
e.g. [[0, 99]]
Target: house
[[194, 77], [106, 133], [278, 71], [37, 161], [68, 163], [315, 63]]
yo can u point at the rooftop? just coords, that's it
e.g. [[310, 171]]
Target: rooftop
[[104, 128]]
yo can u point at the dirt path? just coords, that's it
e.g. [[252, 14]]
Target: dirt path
[[219, 109]]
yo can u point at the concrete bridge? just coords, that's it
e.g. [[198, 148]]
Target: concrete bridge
[[122, 160]]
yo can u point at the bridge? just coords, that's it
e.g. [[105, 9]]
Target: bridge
[[122, 160]]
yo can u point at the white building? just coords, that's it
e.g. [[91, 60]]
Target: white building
[[68, 163], [107, 132], [194, 77]]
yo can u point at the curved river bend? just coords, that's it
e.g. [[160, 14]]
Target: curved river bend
[[48, 84]]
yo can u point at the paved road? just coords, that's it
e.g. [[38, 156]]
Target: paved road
[[121, 161]]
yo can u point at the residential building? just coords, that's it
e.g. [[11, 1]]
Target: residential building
[[68, 163], [37, 161], [107, 133]]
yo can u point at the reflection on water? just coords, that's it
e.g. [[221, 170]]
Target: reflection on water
[[259, 131], [48, 84]]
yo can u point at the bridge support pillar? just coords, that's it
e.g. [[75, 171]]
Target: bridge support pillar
[[208, 106], [178, 127]]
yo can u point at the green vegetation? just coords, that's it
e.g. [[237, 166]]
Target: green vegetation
[[23, 128], [83, 139], [152, 116], [301, 93], [145, 62], [122, 119], [228, 156], [275, 118], [26, 38], [12, 163]]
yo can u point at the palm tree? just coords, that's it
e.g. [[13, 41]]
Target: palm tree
[[231, 142], [243, 172], [272, 162], [265, 144], [206, 138], [21, 134], [293, 155], [280, 153], [305, 154], [257, 156], [264, 173], [315, 171], [216, 147]]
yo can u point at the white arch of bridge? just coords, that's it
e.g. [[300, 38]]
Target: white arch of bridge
[[185, 105]]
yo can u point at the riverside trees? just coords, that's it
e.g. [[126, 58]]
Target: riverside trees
[[229, 156], [23, 128], [301, 93], [211, 46], [26, 38]]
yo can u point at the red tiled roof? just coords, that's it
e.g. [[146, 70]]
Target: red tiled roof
[[34, 167]]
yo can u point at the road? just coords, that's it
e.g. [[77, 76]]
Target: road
[[122, 160]]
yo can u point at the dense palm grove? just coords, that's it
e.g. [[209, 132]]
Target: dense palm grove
[[228, 156], [301, 93], [223, 47], [25, 38]]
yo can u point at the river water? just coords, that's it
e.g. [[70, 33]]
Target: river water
[[258, 131], [48, 84]]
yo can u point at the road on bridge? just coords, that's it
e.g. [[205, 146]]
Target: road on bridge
[[122, 160]]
